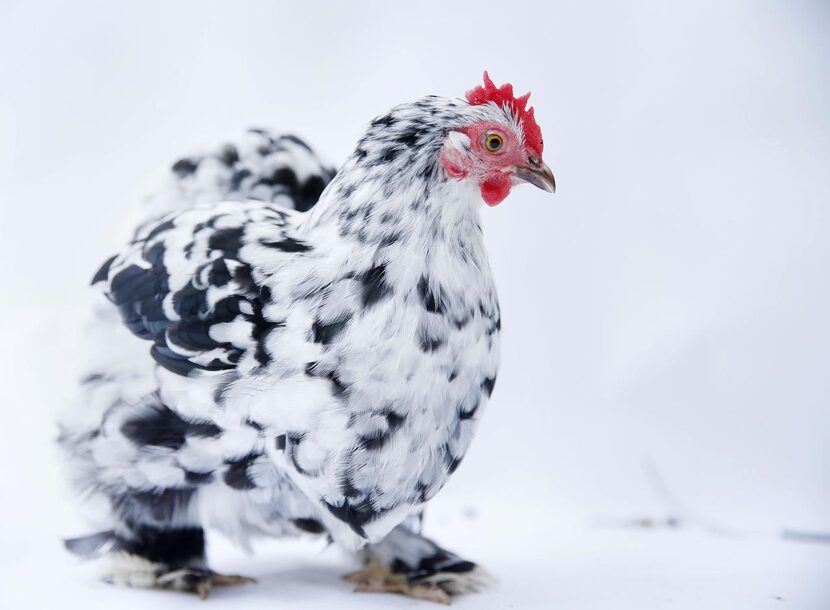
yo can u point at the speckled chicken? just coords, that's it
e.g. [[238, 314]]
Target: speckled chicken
[[264, 363]]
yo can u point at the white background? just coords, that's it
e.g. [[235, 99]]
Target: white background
[[666, 328]]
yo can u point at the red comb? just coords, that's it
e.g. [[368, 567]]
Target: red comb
[[503, 96]]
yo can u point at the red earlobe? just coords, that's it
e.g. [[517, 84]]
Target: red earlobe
[[452, 164]]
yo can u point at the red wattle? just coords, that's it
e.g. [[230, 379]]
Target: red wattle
[[495, 189]]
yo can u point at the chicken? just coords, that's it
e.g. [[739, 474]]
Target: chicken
[[260, 369]]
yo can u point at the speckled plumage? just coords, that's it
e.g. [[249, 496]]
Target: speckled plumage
[[260, 369]]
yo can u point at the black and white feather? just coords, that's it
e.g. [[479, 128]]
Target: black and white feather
[[263, 369]]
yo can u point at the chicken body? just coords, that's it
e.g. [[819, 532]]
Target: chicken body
[[267, 371]]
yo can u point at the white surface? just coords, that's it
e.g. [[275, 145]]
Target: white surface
[[668, 304], [539, 567]]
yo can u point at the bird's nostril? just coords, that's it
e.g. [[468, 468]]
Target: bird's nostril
[[534, 160]]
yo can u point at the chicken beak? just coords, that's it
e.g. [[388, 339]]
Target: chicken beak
[[538, 174]]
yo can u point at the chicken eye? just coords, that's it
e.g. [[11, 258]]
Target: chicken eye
[[493, 142]]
